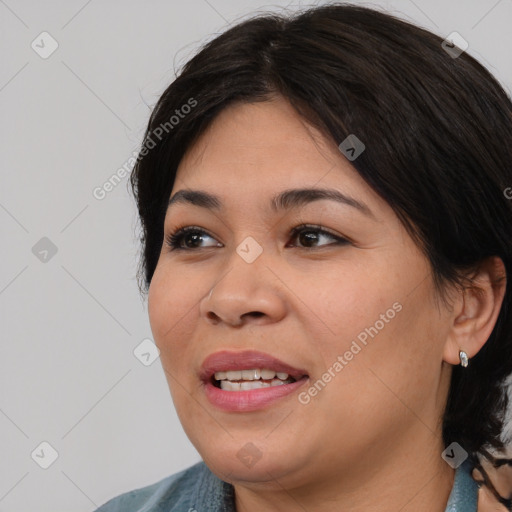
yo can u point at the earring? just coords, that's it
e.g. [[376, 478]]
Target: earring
[[464, 359]]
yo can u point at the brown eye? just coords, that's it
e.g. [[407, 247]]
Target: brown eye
[[189, 238], [308, 237], [311, 236]]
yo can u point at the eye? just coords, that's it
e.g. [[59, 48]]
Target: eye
[[189, 238], [310, 235]]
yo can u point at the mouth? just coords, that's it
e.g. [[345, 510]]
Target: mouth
[[249, 380], [245, 380]]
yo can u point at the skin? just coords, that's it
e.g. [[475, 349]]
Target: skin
[[371, 438]]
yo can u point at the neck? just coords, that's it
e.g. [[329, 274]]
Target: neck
[[405, 479]]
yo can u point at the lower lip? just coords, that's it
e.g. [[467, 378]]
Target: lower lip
[[252, 400]]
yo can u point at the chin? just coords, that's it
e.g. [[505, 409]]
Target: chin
[[248, 461]]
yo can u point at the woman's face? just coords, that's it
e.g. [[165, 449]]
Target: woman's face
[[351, 308]]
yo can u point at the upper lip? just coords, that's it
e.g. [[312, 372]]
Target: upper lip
[[246, 360]]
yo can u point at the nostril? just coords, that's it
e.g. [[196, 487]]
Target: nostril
[[256, 313]]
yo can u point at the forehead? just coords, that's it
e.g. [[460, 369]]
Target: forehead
[[256, 131], [253, 152], [265, 142]]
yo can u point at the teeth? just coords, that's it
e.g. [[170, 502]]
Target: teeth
[[250, 375], [248, 385], [258, 384], [229, 386], [268, 374]]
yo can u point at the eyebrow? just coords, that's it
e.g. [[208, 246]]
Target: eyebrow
[[286, 200]]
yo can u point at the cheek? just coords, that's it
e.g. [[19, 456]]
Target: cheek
[[171, 303], [373, 317], [350, 302]]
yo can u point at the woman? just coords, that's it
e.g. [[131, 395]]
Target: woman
[[326, 245]]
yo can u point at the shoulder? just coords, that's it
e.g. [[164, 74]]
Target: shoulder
[[178, 492], [464, 495]]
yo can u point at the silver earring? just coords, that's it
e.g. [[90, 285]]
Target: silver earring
[[464, 359]]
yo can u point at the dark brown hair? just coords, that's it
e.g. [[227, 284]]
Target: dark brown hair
[[438, 136]]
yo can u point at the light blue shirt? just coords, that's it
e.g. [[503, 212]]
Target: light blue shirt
[[197, 489]]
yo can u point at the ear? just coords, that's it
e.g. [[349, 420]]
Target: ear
[[476, 311]]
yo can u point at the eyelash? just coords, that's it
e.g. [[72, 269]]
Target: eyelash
[[174, 240]]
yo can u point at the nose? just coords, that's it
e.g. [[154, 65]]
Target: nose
[[245, 293]]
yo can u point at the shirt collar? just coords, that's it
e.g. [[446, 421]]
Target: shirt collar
[[464, 495], [211, 494]]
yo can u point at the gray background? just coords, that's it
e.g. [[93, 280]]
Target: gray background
[[71, 322]]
